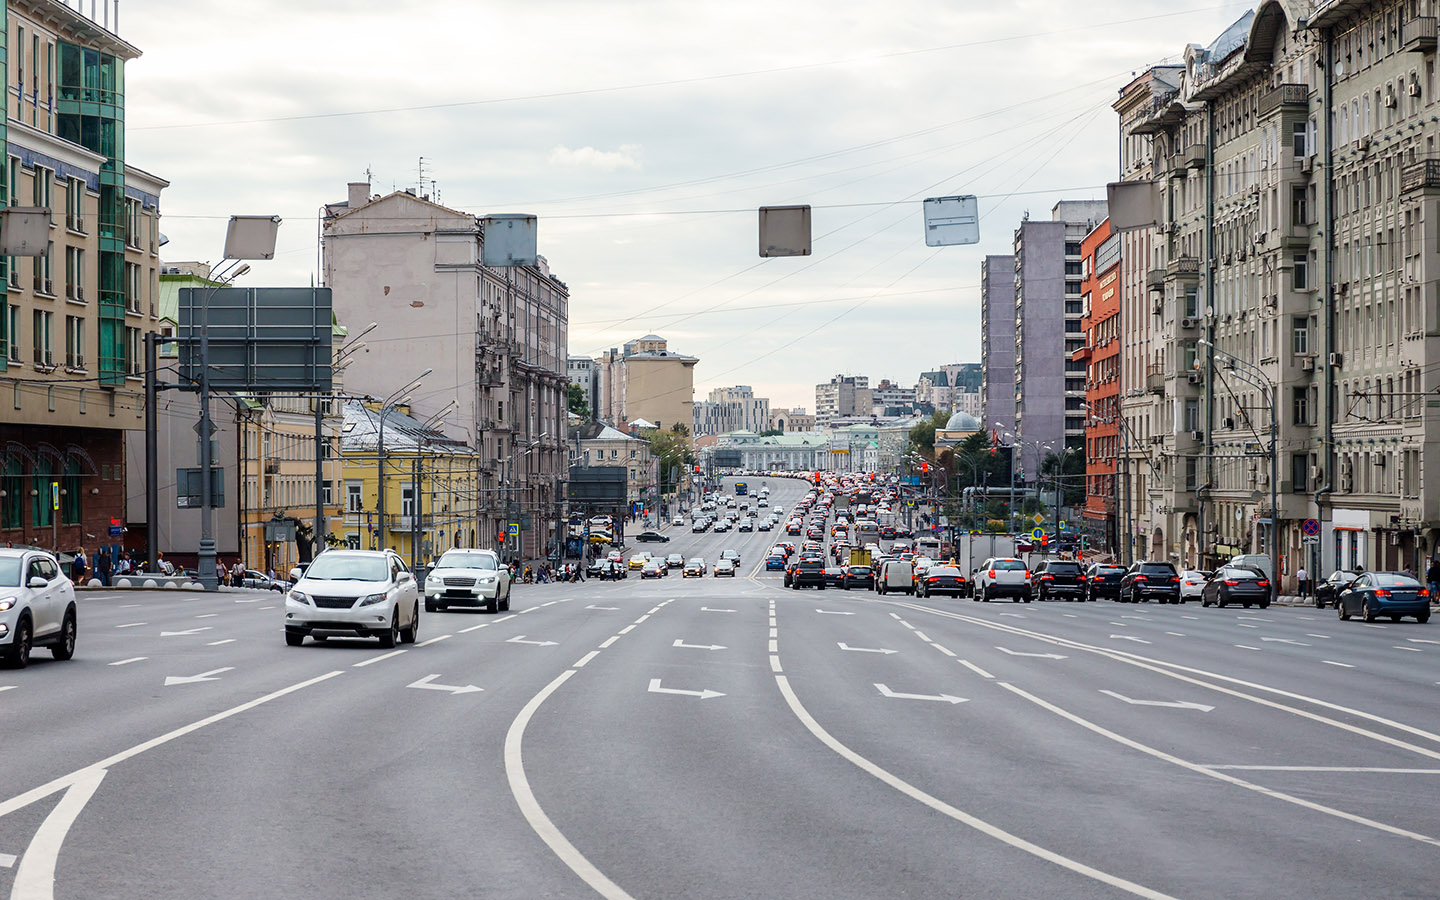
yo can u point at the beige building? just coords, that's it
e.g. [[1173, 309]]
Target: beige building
[[794, 419], [647, 380], [601, 445], [841, 396]]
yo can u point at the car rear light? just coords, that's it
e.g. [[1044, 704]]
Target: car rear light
[[1381, 592], [1082, 577], [1423, 592], [1231, 583], [1175, 580], [1263, 583], [990, 574], [1047, 577], [1141, 578]]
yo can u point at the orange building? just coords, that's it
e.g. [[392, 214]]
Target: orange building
[[1100, 293]]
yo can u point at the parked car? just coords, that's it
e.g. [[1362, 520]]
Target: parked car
[[468, 577], [37, 606], [651, 537], [1192, 584], [1327, 592], [1150, 580], [354, 593], [1058, 578], [858, 576], [694, 568], [724, 566], [1245, 585], [262, 582], [1103, 580], [942, 580], [1002, 577], [1393, 594]]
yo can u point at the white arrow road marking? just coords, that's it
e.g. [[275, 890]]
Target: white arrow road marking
[[191, 679], [831, 612], [218, 643], [708, 609], [706, 694], [1126, 637], [946, 698], [1411, 649], [1331, 662], [520, 639], [11, 687], [425, 684], [35, 879], [845, 646], [680, 643], [119, 662], [606, 608], [1285, 641], [1036, 655], [186, 631], [1173, 704]]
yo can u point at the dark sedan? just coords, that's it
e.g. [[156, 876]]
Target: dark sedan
[[834, 576], [1103, 580], [1392, 594], [648, 537], [942, 580], [859, 577], [1327, 592], [1237, 584], [1151, 579]]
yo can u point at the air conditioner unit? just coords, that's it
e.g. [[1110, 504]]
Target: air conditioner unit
[[1362, 143], [1187, 323], [1337, 360], [1389, 101], [1316, 475], [1227, 423], [1197, 435], [1171, 227], [1394, 538], [1307, 165], [1157, 438], [1307, 363], [1195, 378], [1260, 239], [1413, 88]]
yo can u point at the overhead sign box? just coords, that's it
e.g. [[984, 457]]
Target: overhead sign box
[[510, 240], [785, 231], [952, 220], [24, 230]]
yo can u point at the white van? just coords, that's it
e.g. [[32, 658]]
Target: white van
[[895, 575]]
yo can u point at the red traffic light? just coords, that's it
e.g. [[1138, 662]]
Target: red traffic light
[[925, 468]]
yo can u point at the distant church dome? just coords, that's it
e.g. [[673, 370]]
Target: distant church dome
[[962, 421]]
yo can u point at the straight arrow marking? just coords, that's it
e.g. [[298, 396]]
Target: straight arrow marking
[[608, 608], [190, 679], [425, 684], [520, 639], [945, 698], [845, 646], [1173, 704], [1036, 655], [706, 694], [680, 643]]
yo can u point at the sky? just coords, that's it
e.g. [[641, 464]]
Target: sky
[[645, 134]]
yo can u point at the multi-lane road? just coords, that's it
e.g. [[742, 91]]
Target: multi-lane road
[[722, 739]]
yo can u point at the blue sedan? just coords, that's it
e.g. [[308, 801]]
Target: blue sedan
[[1392, 594], [775, 563]]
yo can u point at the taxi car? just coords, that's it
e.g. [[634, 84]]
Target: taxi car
[[639, 560]]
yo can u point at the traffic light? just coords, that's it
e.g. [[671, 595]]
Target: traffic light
[[500, 538], [925, 468]]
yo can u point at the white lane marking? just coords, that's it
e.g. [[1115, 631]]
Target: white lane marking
[[192, 679], [976, 669], [435, 640], [946, 809], [580, 663], [895, 616], [1196, 618], [1238, 782], [1173, 704], [1141, 618], [428, 684], [132, 624], [1070, 615], [251, 600], [681, 643], [1368, 625], [133, 605], [1126, 637], [706, 694], [1256, 619], [775, 664], [708, 609], [520, 639], [1421, 641], [653, 610], [606, 608], [1246, 647], [1323, 637], [942, 649], [1375, 770], [1175, 633], [608, 641], [642, 618], [503, 619], [118, 662], [1120, 624], [922, 636], [264, 607], [187, 631], [1013, 615], [7, 860], [535, 814], [474, 628], [1285, 641], [900, 695], [844, 646], [1243, 625], [207, 615], [35, 879], [375, 659], [218, 643], [20, 801], [772, 621], [1411, 649], [1331, 662], [831, 612], [550, 603], [627, 629], [774, 632], [1036, 655], [774, 647], [527, 609]]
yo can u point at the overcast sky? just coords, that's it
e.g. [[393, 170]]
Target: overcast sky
[[645, 134]]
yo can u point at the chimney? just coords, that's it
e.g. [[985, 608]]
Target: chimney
[[359, 193]]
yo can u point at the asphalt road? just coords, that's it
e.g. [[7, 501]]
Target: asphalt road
[[725, 738]]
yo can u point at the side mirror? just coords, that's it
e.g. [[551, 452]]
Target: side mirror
[[406, 576], [38, 582]]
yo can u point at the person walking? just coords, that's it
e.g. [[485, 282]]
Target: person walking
[[78, 567], [103, 567], [237, 574], [1302, 581]]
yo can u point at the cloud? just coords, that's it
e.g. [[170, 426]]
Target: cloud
[[590, 158]]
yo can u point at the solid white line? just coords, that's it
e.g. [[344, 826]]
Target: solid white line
[[627, 629], [218, 643], [375, 659], [122, 662], [1238, 782], [608, 641], [473, 628], [6, 860], [207, 615], [1411, 649], [775, 664], [1331, 662], [435, 640], [1377, 770], [132, 625], [35, 879], [20, 801], [585, 659], [946, 809], [976, 669], [531, 809], [1175, 633]]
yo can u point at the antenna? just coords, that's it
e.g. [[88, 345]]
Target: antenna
[[420, 172]]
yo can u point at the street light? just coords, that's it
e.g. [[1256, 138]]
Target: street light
[[416, 519], [389, 402]]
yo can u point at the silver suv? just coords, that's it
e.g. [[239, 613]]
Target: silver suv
[[354, 593], [37, 606]]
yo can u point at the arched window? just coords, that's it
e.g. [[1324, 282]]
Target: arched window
[[40, 503], [72, 491], [13, 487]]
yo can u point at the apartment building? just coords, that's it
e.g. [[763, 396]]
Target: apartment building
[[731, 409], [73, 318], [1100, 320], [581, 372], [794, 419], [890, 399], [843, 395], [997, 344], [647, 380]]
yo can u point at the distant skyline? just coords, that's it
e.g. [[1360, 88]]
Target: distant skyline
[[645, 143]]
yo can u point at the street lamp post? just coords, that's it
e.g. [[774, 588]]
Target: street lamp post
[[389, 402]]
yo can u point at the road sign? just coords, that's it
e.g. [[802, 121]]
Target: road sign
[[54, 495], [1310, 539], [1311, 527], [1038, 533], [1038, 520], [514, 529]]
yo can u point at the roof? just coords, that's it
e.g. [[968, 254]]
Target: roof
[[962, 421], [403, 432], [642, 423]]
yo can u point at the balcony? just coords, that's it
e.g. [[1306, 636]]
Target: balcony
[[1155, 379], [1418, 35], [272, 466], [1155, 280], [1420, 176], [1195, 156], [1286, 97], [1183, 267]]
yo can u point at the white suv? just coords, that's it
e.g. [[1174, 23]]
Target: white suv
[[465, 577], [354, 593], [1002, 577], [37, 606]]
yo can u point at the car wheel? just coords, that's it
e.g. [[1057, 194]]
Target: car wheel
[[1220, 600], [492, 605], [506, 605], [66, 646], [1340, 608], [985, 593], [294, 639], [392, 635], [407, 635], [19, 656], [1366, 612], [429, 605], [1319, 604], [1203, 602], [1264, 604], [1422, 618]]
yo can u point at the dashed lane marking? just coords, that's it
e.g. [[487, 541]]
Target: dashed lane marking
[[435, 640], [118, 662], [375, 659], [974, 668]]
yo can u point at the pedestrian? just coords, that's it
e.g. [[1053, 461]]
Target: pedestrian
[[103, 567], [1302, 581], [78, 567], [1432, 576], [238, 574]]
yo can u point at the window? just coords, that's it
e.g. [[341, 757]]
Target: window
[[133, 351], [1074, 267], [42, 501], [1192, 301], [75, 273], [1192, 414], [1300, 472], [1299, 209], [407, 500], [75, 204], [1072, 248], [1300, 405], [1300, 335], [74, 342], [14, 334], [1298, 138], [13, 487], [71, 494], [1299, 275], [1189, 356], [41, 323], [132, 222], [42, 187], [132, 287]]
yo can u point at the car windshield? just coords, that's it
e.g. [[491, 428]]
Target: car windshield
[[335, 567], [1064, 568], [457, 560], [697, 561], [10, 572], [1008, 565], [1386, 579]]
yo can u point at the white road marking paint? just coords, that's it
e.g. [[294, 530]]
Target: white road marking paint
[[132, 624], [1141, 618], [642, 618], [1421, 641], [503, 619], [774, 647], [708, 609], [1243, 625], [974, 668], [900, 695], [6, 860], [535, 814], [1120, 624], [187, 631], [1013, 615], [1126, 637], [474, 628], [435, 640], [580, 663], [1037, 655], [1070, 615], [207, 615], [605, 644], [118, 662], [1323, 637], [374, 659], [946, 809], [428, 684], [251, 600], [1373, 770], [844, 646], [895, 616], [706, 694], [922, 636], [1175, 634], [520, 639], [774, 632], [831, 612], [1285, 641], [525, 610], [1411, 649], [627, 629], [264, 607], [1238, 782], [775, 664], [1196, 618], [191, 679], [606, 608], [218, 643], [942, 649], [1255, 619], [1246, 647], [1368, 625], [35, 879], [680, 643], [1173, 704], [137, 605], [1331, 662], [550, 603], [20, 801], [654, 609]]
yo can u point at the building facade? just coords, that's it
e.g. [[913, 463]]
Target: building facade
[[997, 344], [647, 380], [890, 399], [731, 409], [792, 420], [1100, 297], [581, 372], [843, 395]]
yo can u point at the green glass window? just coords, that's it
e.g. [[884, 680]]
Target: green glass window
[[40, 502], [72, 493], [13, 486]]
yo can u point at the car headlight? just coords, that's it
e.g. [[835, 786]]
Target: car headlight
[[487, 579], [299, 597], [373, 599], [433, 580]]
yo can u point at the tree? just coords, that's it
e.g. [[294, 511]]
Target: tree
[[575, 401], [772, 432], [673, 450], [922, 436]]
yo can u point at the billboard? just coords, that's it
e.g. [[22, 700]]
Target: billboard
[[597, 484], [261, 339]]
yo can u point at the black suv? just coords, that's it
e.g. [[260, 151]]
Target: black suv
[[1150, 580], [1058, 578], [1103, 580], [807, 572]]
